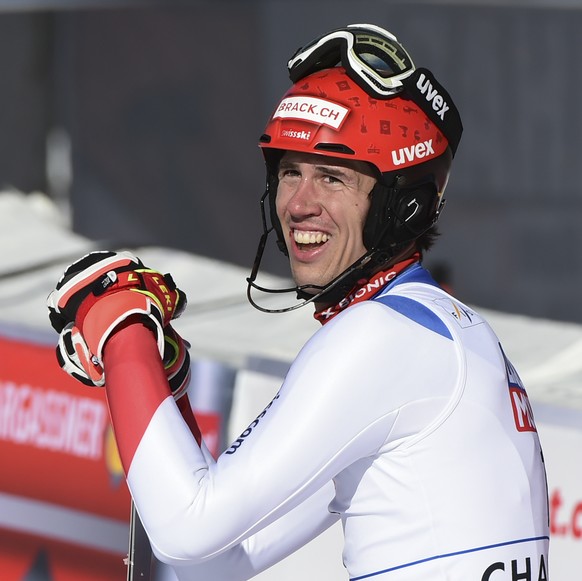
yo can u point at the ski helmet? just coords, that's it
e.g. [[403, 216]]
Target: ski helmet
[[356, 94], [327, 113]]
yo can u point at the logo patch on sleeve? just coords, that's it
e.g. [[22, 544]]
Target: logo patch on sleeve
[[461, 314], [522, 412]]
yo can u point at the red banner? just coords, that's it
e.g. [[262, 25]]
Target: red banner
[[56, 442], [64, 505]]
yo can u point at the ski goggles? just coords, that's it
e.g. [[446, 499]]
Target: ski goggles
[[372, 57]]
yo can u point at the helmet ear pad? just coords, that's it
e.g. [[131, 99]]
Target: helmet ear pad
[[272, 158], [399, 215], [272, 184]]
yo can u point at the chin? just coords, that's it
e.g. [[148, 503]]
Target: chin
[[312, 274], [302, 278], [312, 281]]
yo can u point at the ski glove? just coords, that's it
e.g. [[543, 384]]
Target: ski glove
[[100, 292]]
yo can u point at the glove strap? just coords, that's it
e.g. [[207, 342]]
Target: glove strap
[[74, 357], [110, 311]]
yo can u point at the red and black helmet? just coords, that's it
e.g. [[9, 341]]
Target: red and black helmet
[[328, 113]]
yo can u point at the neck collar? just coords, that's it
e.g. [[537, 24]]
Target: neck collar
[[365, 289]]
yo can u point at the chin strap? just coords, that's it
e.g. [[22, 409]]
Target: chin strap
[[310, 293], [333, 292], [365, 289]]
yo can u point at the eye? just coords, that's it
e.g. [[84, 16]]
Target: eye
[[333, 180], [288, 172]]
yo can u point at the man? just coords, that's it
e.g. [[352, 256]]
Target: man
[[402, 417]]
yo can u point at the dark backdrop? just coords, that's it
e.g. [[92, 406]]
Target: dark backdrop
[[163, 108]]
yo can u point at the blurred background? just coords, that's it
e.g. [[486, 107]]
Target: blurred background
[[141, 120], [134, 123]]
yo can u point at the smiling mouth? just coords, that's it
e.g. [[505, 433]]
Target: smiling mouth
[[308, 239]]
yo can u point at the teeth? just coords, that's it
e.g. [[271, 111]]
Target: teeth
[[302, 237]]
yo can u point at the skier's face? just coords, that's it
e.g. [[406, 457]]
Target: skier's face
[[322, 204]]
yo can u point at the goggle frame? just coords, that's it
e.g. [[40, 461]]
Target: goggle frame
[[341, 46]]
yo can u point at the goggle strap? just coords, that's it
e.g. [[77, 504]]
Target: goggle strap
[[437, 104], [325, 56]]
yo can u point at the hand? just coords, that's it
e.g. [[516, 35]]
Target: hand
[[102, 291], [176, 360]]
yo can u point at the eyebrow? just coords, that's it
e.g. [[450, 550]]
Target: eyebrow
[[332, 170], [338, 171]]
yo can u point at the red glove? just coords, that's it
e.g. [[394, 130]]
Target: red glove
[[104, 290]]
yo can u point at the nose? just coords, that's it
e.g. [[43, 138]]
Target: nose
[[303, 201]]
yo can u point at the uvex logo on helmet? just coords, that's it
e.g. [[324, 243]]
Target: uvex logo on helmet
[[432, 95], [412, 152]]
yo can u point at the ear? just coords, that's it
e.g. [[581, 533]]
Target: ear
[[414, 211], [399, 214]]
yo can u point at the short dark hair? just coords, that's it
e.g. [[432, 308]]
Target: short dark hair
[[426, 240]]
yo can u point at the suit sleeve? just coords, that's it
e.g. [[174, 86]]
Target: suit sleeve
[[136, 382], [333, 409]]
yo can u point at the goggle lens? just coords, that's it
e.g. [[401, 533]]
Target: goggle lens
[[385, 58]]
